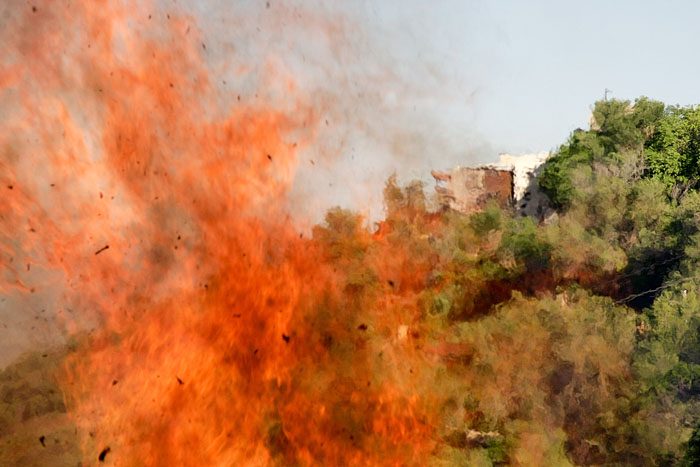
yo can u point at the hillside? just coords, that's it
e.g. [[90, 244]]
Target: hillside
[[437, 339]]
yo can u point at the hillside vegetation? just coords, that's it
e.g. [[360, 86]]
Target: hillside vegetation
[[578, 340], [571, 342]]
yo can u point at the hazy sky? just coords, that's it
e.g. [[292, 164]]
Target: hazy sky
[[416, 85], [536, 66]]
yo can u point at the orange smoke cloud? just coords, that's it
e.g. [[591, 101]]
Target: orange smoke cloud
[[218, 334]]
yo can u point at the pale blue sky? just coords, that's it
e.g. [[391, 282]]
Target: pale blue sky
[[537, 66]]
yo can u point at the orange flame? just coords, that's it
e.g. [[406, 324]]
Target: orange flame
[[220, 335]]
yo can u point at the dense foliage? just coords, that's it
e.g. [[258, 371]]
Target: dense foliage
[[630, 184], [576, 340]]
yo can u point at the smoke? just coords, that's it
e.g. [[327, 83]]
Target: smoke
[[391, 100], [385, 101], [151, 164]]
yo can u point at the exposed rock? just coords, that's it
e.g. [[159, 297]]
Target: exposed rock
[[469, 189], [510, 182]]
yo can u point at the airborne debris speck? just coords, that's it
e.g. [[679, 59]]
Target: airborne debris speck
[[103, 454], [106, 247]]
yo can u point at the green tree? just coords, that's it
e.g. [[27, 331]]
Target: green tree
[[672, 154], [618, 127]]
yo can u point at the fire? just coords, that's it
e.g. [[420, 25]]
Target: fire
[[218, 334]]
